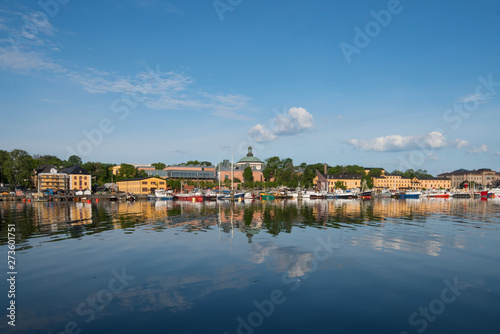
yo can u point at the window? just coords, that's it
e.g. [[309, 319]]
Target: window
[[144, 190], [144, 182]]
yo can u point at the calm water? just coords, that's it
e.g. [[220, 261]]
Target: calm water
[[388, 266]]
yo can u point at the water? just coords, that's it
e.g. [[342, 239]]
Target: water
[[385, 266]]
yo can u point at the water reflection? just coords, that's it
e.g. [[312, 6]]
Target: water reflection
[[75, 220]]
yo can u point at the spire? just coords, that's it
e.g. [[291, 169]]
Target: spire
[[250, 154]]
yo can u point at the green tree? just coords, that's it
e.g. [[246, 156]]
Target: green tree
[[22, 165], [159, 165], [248, 174], [74, 160], [340, 185], [48, 160]]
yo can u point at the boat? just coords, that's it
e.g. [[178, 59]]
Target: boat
[[316, 194], [192, 196], [494, 193], [344, 194], [436, 194], [236, 196], [365, 194], [164, 195], [384, 193], [267, 197], [210, 195], [411, 194]]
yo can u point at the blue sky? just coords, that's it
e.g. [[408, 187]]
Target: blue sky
[[396, 84]]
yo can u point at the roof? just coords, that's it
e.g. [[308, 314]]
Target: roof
[[137, 179], [343, 176], [434, 178], [75, 170], [250, 159], [184, 165], [44, 169]]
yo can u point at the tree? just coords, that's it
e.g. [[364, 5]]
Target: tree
[[159, 165], [74, 160], [48, 160], [22, 165], [248, 174], [340, 185]]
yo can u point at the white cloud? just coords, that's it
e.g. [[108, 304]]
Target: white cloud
[[394, 143], [477, 149], [460, 143], [32, 47], [260, 134], [497, 153], [292, 122], [24, 62], [476, 98]]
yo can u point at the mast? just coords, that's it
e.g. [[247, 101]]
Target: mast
[[232, 172]]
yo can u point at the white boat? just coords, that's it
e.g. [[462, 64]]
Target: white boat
[[494, 193], [164, 195]]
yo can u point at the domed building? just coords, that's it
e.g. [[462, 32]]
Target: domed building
[[251, 161], [255, 164]]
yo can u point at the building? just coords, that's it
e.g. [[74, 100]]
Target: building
[[78, 178], [392, 182], [191, 172], [431, 183], [144, 167], [328, 181], [49, 177], [249, 160], [142, 185], [482, 177]]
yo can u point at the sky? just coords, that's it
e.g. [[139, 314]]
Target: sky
[[393, 84]]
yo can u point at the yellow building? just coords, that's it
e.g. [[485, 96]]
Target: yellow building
[[142, 185], [392, 182], [327, 181], [78, 178], [431, 183]]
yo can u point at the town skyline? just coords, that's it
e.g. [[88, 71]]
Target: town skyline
[[342, 83]]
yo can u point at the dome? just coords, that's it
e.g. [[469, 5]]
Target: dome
[[250, 159]]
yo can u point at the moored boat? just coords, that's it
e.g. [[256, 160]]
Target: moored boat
[[411, 194], [164, 195], [194, 196]]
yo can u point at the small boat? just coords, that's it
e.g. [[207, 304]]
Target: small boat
[[411, 194], [494, 193], [267, 197], [365, 194], [194, 197], [436, 194], [384, 193], [344, 194], [164, 195], [236, 196]]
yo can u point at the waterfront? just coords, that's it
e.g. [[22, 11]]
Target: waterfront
[[336, 266]]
